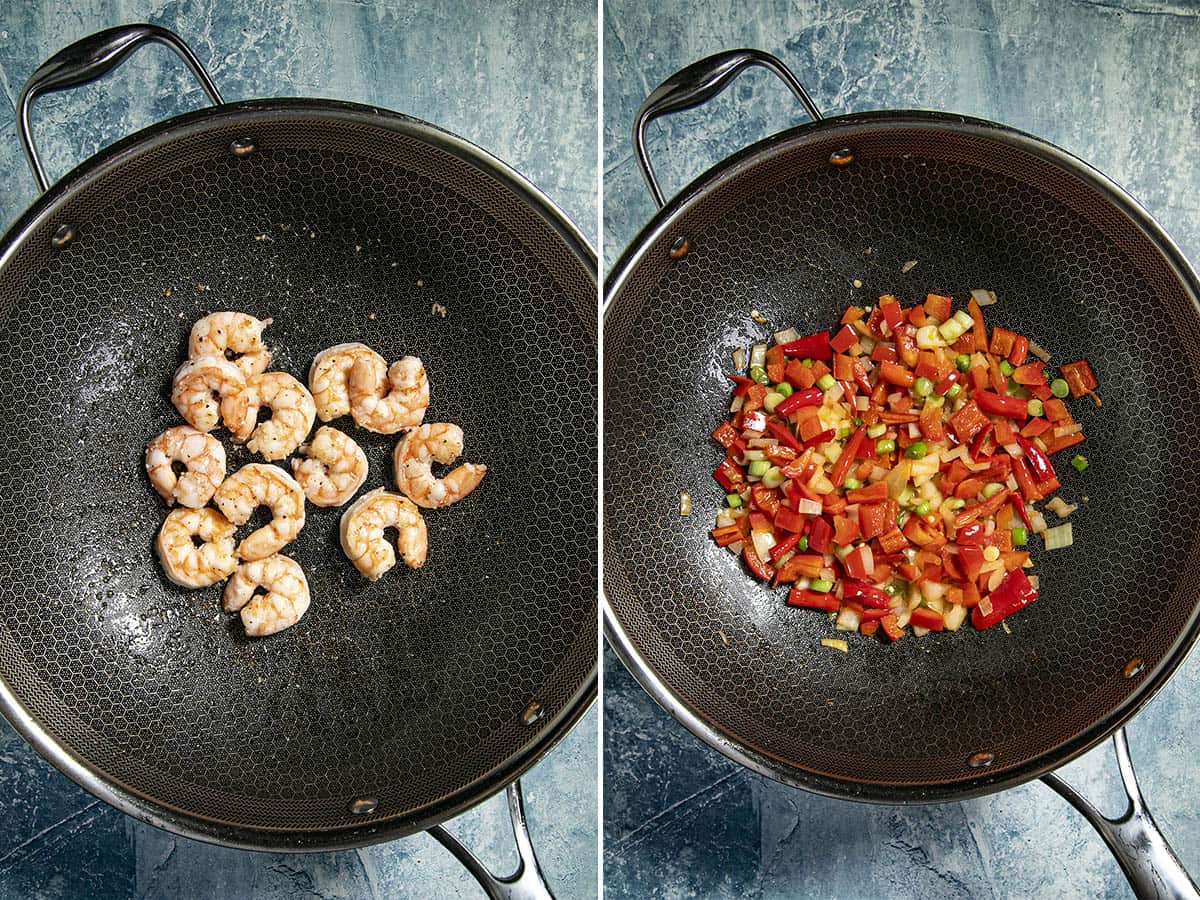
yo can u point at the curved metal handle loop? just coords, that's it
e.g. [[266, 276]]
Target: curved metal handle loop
[[699, 83], [527, 882], [1153, 869], [90, 58]]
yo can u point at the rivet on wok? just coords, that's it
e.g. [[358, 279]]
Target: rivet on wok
[[1134, 667], [842, 157], [980, 760], [242, 147], [532, 713], [62, 236], [680, 248], [364, 806]]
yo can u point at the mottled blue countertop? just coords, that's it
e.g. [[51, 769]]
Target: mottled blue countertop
[[518, 79], [1110, 80]]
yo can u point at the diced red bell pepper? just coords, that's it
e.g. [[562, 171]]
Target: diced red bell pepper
[[741, 384], [866, 594], [868, 627], [765, 498], [726, 535], [799, 376], [891, 627], [927, 365], [1056, 411], [729, 475], [755, 421], [947, 381], [859, 562], [1039, 462], [853, 314], [725, 434], [778, 454], [996, 405], [812, 346], [846, 338], [872, 519], [783, 546], [893, 312], [798, 400], [968, 422], [970, 534], [906, 345], [917, 316], [1015, 592], [820, 534], [802, 565], [980, 329], [812, 600], [756, 565], [845, 530], [755, 396], [843, 367], [789, 520], [883, 353], [893, 540], [938, 306], [921, 534], [759, 521], [971, 559], [784, 435], [896, 374], [976, 448], [1002, 341], [930, 423], [1030, 373], [776, 364], [1004, 431], [1055, 444], [1041, 391], [1079, 377], [833, 504], [1020, 350], [927, 618], [871, 493]]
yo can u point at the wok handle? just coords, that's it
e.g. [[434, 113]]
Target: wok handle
[[698, 83], [527, 882], [1153, 869], [90, 58]]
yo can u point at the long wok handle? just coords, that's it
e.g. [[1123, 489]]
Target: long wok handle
[[1153, 869], [527, 882], [90, 58], [699, 83]]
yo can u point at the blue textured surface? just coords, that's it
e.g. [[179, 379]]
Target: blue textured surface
[[517, 79], [1111, 81]]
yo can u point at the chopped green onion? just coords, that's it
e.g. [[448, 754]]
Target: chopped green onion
[[772, 400], [1020, 537], [923, 387], [917, 450], [885, 445], [802, 544], [774, 477], [1058, 537], [955, 503], [825, 382], [991, 489], [935, 401], [843, 432], [905, 497], [874, 431], [807, 363], [951, 330], [784, 388], [1006, 368], [962, 362], [922, 508], [992, 553], [758, 468], [856, 421], [1079, 461], [759, 374], [955, 390], [852, 483], [1059, 388], [821, 586], [1034, 407]]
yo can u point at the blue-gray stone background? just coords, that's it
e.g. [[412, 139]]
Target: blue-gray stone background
[[517, 78], [1113, 81]]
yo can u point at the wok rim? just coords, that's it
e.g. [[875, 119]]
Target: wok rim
[[712, 733], [126, 798]]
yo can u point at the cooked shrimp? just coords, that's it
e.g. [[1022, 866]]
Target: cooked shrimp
[[388, 401], [413, 460], [363, 538], [235, 336], [255, 485], [202, 457], [328, 376], [334, 469], [189, 564], [292, 414], [201, 385], [284, 603]]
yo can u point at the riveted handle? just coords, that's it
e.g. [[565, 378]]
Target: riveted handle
[[1153, 869], [697, 84], [90, 58]]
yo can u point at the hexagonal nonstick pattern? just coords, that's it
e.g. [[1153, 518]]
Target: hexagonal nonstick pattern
[[409, 690], [787, 233]]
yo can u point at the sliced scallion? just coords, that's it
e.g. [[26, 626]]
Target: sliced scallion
[[922, 387], [885, 445], [1079, 462], [962, 362], [874, 431], [759, 374], [825, 382], [734, 500], [851, 483], [1006, 368], [1059, 388], [758, 468], [917, 450], [821, 586], [1020, 537], [784, 388], [1034, 407]]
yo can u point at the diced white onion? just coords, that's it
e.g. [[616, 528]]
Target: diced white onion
[[868, 559], [1039, 352], [724, 517], [763, 542], [1013, 449], [1063, 430], [736, 547], [929, 338], [985, 606], [914, 430], [1060, 507], [835, 644], [958, 452], [772, 400], [997, 577], [1059, 536], [847, 620], [954, 617], [739, 359], [685, 503], [758, 355], [935, 590], [753, 456], [920, 631], [984, 297], [1033, 580], [808, 507], [760, 442], [736, 405], [787, 336], [1037, 520], [835, 393], [862, 404], [758, 317]]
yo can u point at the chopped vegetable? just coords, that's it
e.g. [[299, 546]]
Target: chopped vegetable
[[882, 471], [835, 644]]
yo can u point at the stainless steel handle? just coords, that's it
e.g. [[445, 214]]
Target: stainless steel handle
[[699, 83], [528, 882], [90, 58], [1153, 869]]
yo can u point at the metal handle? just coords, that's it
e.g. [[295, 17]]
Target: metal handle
[[1153, 869], [528, 882], [88, 59], [699, 83]]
